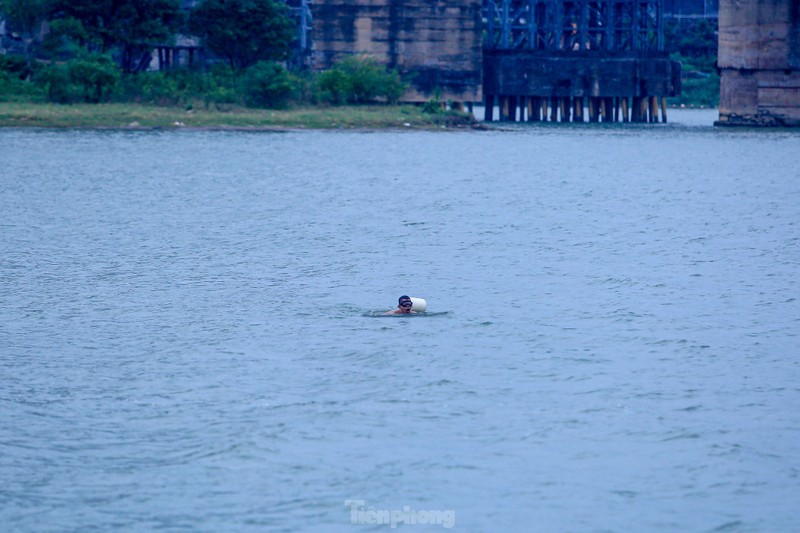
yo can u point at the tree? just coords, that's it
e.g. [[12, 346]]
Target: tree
[[244, 32], [26, 16], [143, 24], [131, 27]]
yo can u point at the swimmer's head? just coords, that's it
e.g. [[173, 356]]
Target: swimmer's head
[[404, 301]]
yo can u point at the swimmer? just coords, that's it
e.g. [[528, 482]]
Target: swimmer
[[404, 305]]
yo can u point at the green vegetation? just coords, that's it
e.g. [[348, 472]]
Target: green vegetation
[[126, 29], [694, 44], [244, 32], [269, 85], [95, 78], [26, 16], [99, 53], [15, 114], [359, 80], [90, 91], [87, 78]]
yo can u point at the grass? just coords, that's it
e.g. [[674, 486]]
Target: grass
[[19, 114]]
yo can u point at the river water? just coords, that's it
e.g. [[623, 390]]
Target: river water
[[192, 337]]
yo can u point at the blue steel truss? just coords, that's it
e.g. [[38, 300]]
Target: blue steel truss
[[577, 25]]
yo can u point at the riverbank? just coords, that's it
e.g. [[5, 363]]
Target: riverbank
[[140, 116]]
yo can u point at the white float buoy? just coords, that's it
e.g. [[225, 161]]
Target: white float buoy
[[418, 304]]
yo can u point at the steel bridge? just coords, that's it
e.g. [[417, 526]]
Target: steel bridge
[[551, 24], [557, 60], [568, 61], [579, 25]]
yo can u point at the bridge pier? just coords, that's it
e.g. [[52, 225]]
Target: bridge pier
[[537, 60], [581, 88], [593, 109], [435, 45], [584, 58], [759, 63]]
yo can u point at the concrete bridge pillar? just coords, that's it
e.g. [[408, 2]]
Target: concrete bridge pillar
[[434, 44], [759, 62]]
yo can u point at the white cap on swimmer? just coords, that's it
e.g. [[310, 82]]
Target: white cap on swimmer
[[418, 304]]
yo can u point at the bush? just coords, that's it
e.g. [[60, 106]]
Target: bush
[[335, 86], [152, 88], [54, 81], [94, 75], [179, 86], [15, 66], [360, 80], [222, 75], [434, 106], [185, 83], [222, 98], [267, 84], [90, 78], [16, 90], [14, 75], [306, 88]]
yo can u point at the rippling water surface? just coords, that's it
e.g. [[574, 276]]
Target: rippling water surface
[[189, 339]]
